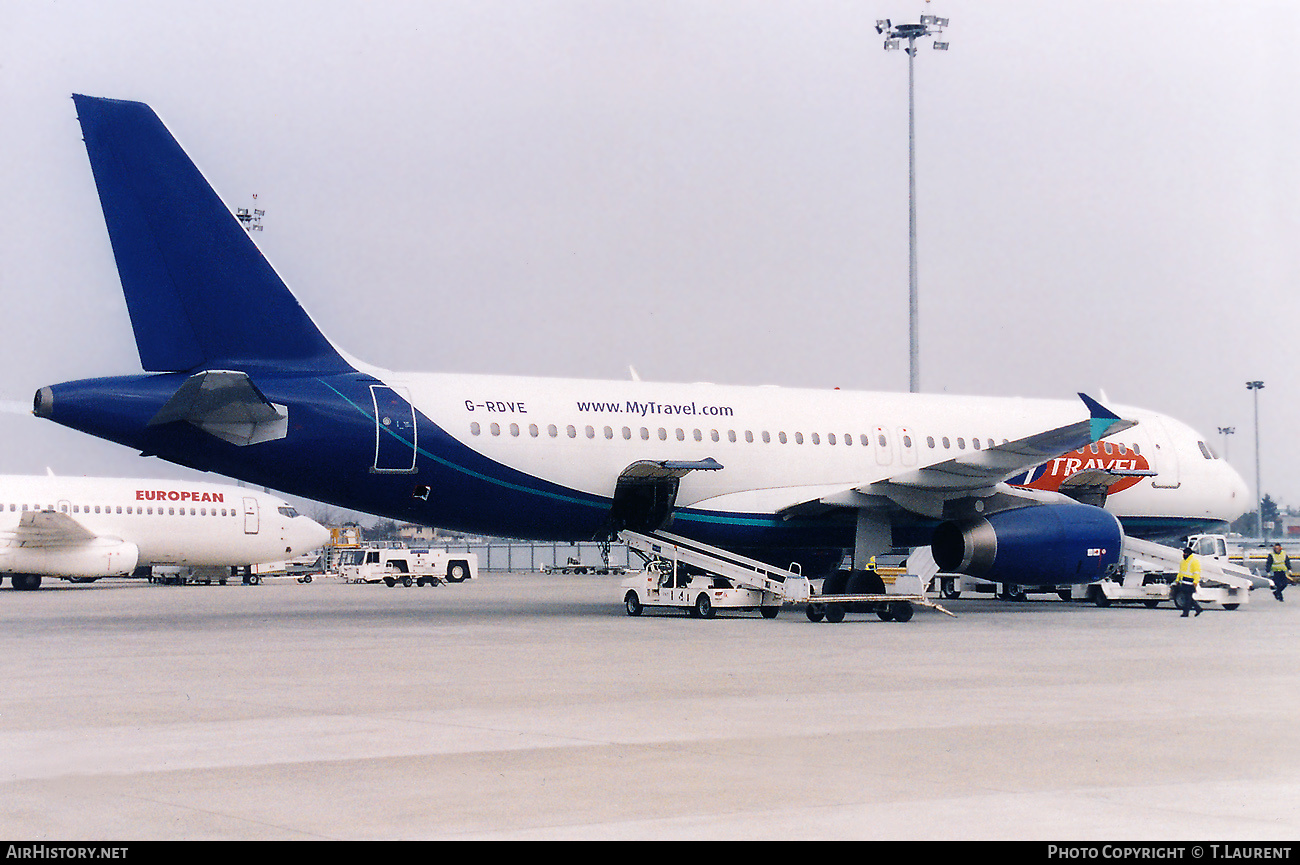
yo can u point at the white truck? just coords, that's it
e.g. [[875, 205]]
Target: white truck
[[392, 566], [1150, 569]]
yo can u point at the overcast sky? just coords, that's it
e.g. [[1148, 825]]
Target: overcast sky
[[708, 191]]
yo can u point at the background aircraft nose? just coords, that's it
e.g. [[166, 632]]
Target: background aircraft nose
[[307, 534]]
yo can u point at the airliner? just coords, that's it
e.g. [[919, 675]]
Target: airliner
[[88, 528], [240, 381]]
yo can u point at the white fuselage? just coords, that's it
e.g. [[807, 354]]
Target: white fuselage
[[182, 523], [779, 445]]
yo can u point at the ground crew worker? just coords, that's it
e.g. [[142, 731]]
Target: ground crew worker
[[1189, 577], [1278, 566]]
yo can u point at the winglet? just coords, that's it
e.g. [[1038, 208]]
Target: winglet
[[1101, 419]]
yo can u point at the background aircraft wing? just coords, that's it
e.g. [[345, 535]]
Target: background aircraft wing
[[49, 529]]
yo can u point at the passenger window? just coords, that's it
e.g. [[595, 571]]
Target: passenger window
[[663, 434], [781, 438], [749, 436], [884, 443], [815, 438], [681, 434], [713, 434], [609, 432], [591, 432], [532, 430], [572, 431], [975, 443], [494, 428], [514, 430], [627, 433], [767, 437], [552, 430], [929, 441], [961, 443], [830, 438], [645, 434], [798, 438], [731, 436]]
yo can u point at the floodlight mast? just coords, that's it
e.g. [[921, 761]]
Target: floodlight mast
[[931, 25], [1255, 387]]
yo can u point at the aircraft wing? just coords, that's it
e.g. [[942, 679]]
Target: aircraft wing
[[49, 529], [980, 473]]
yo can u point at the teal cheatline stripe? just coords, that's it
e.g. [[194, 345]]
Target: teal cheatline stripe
[[467, 471]]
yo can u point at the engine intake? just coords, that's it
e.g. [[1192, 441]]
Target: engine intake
[[1040, 545]]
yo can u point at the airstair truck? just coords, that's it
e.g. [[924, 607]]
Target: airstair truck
[[1150, 570]]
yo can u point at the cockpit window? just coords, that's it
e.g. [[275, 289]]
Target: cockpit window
[[1207, 451], [287, 511]]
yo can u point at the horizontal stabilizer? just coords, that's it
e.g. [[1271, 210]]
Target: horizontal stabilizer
[[228, 405]]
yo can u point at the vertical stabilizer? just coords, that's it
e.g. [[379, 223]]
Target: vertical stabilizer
[[199, 292]]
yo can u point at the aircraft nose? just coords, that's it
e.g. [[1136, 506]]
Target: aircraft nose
[[1239, 500], [306, 534]]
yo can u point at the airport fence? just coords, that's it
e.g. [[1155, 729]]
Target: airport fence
[[526, 556]]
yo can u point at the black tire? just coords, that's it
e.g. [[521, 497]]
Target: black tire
[[1151, 605], [885, 612], [948, 589], [902, 611], [25, 582], [834, 613], [457, 572], [836, 584], [769, 612], [815, 612], [406, 581], [1231, 606], [703, 608], [1098, 597], [390, 582], [632, 604], [1181, 601]]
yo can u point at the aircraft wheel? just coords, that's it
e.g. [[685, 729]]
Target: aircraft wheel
[[834, 613], [632, 604], [769, 612], [703, 608], [815, 612]]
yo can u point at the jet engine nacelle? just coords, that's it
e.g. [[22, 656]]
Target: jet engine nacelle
[[1041, 545], [99, 558]]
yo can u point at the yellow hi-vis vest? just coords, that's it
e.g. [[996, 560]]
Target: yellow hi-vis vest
[[1277, 561], [1190, 570]]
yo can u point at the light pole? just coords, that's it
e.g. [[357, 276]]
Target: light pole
[[895, 34], [1226, 431], [1255, 387]]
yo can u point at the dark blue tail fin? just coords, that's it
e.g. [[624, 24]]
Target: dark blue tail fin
[[200, 294]]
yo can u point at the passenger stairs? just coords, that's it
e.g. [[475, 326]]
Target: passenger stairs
[[744, 572], [780, 585]]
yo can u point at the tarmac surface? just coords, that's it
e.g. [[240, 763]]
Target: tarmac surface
[[522, 706]]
